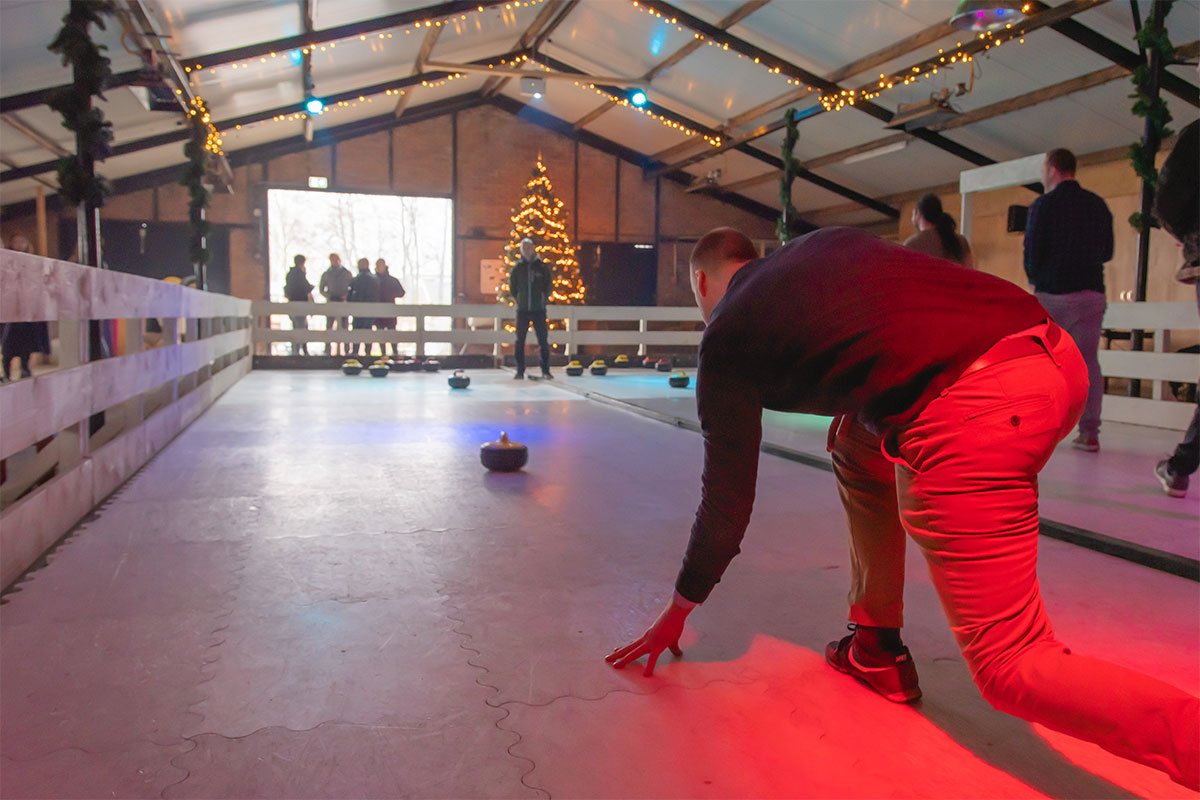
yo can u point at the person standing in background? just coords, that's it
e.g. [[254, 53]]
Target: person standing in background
[[363, 289], [297, 289], [335, 285], [1068, 238], [529, 283], [1177, 208], [935, 234], [390, 291], [20, 340]]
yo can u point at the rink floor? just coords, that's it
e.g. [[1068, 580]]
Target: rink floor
[[316, 591]]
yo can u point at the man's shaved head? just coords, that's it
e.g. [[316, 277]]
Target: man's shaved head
[[720, 248], [718, 254]]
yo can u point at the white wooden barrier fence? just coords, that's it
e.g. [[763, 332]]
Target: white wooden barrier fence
[[481, 325], [1157, 366], [147, 396]]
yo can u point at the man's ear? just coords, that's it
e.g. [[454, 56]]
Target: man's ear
[[702, 283]]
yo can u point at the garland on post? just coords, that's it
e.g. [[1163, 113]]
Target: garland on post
[[1152, 36], [787, 227], [92, 75], [197, 150]]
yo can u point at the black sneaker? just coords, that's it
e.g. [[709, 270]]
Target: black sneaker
[[892, 675], [1174, 484], [519, 376], [547, 376]]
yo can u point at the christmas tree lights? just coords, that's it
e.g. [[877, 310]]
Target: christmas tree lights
[[540, 218]]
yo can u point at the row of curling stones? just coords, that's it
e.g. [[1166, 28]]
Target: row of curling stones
[[381, 367], [504, 455], [597, 367]]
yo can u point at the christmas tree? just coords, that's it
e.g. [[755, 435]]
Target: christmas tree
[[540, 218]]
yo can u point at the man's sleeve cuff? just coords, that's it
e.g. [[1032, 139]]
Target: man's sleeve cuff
[[683, 602]]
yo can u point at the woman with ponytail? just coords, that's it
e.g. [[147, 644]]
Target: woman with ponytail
[[935, 233]]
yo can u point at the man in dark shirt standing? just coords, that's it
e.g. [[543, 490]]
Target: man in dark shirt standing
[[945, 411], [390, 291], [363, 289], [297, 289], [530, 286], [1068, 237]]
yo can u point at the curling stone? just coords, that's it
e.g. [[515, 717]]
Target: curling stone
[[459, 380], [504, 455], [574, 369], [394, 365], [679, 380], [352, 366], [648, 362], [379, 369], [621, 361], [664, 365], [598, 367], [431, 365]]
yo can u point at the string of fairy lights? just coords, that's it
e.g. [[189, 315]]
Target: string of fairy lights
[[373, 40], [212, 137], [963, 53]]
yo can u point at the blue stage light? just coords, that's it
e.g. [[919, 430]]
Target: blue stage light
[[314, 106], [638, 98]]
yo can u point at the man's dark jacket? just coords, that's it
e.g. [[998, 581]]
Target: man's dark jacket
[[390, 289], [529, 283], [296, 287], [364, 288]]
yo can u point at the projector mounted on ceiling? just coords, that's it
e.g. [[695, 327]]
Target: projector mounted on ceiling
[[533, 87], [925, 113]]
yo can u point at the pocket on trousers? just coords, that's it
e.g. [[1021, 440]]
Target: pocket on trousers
[[1018, 418], [1029, 405]]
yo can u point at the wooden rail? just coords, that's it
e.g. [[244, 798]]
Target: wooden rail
[[70, 437]]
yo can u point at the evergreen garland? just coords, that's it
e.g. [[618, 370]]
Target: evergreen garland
[[787, 227], [197, 153], [93, 71], [1152, 37]]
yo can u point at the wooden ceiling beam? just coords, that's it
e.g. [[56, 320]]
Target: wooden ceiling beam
[[1018, 103], [1107, 48], [431, 37], [496, 83], [34, 135], [738, 14], [1044, 18]]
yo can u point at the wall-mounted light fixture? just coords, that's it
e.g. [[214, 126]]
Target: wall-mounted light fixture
[[988, 15]]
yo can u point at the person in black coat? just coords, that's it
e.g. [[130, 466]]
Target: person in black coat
[[20, 340], [531, 283], [297, 289], [390, 290], [1177, 209], [363, 289]]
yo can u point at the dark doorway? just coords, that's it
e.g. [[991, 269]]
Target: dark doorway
[[154, 249], [619, 274]]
